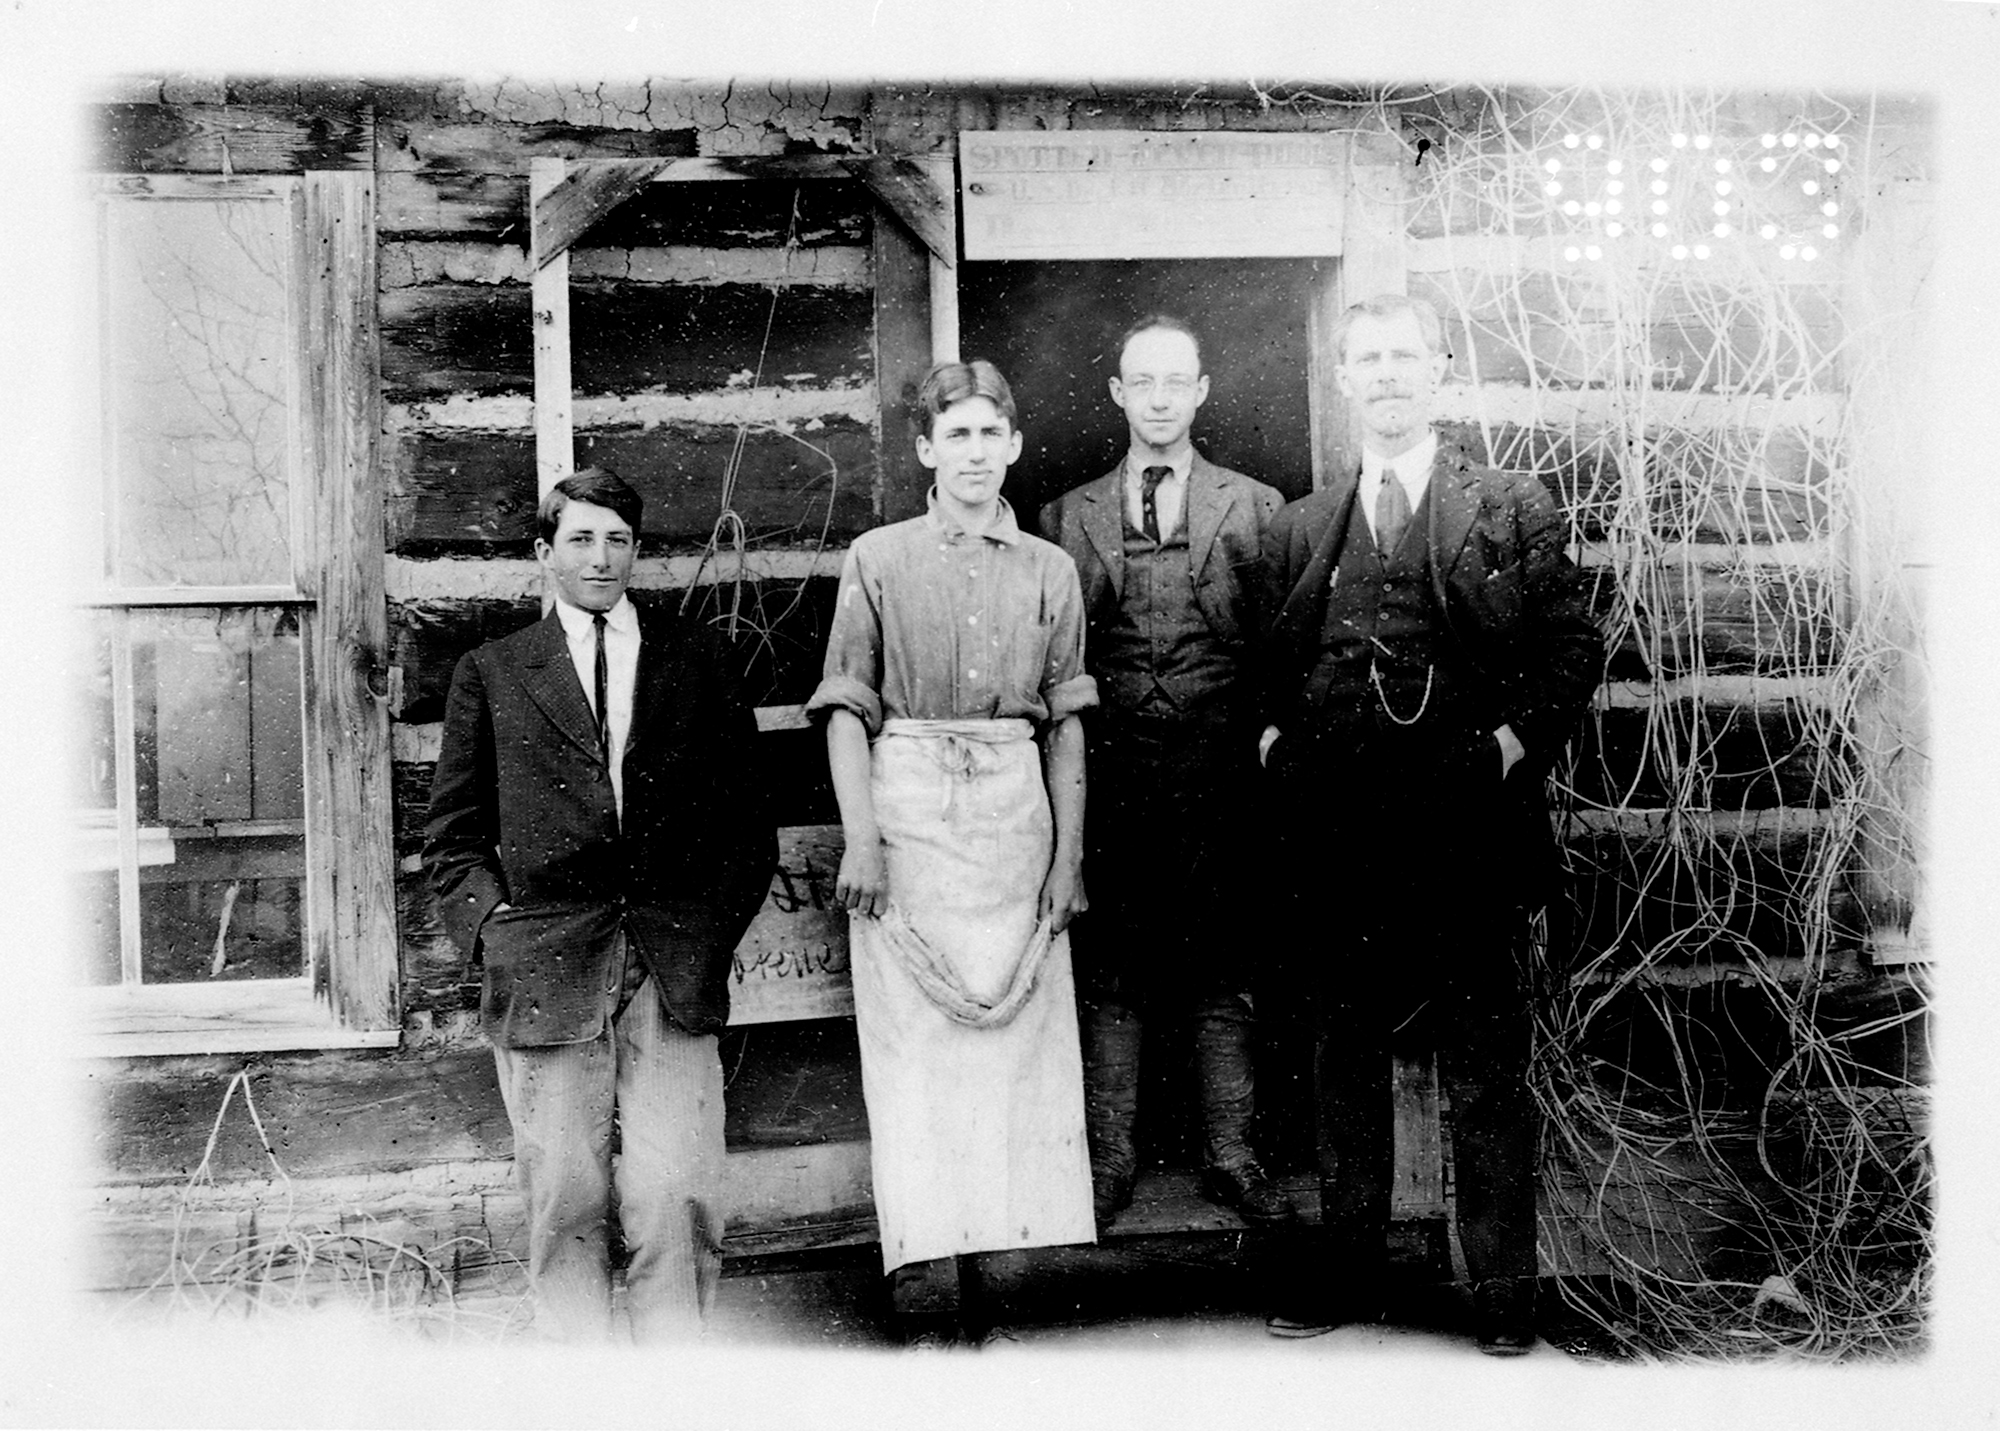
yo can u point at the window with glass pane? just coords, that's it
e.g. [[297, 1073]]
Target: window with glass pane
[[197, 337], [190, 785]]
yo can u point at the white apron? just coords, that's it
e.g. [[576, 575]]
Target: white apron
[[976, 1128]]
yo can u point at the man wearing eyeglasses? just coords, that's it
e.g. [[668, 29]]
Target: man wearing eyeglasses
[[1166, 546]]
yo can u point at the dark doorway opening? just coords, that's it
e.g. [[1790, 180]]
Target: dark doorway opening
[[1051, 328]]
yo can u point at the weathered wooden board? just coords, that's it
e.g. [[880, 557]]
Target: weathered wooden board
[[624, 338], [1082, 194], [466, 202], [239, 139], [475, 492], [792, 963]]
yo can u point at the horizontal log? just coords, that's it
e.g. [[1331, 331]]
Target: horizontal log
[[1710, 487], [476, 493], [1490, 342], [1815, 415], [1731, 897], [1512, 252], [1718, 756], [413, 263], [1776, 622], [427, 145], [466, 579], [792, 408], [238, 139], [624, 338], [792, 1085], [781, 638], [449, 203]]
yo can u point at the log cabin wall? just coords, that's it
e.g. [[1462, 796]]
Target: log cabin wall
[[750, 348]]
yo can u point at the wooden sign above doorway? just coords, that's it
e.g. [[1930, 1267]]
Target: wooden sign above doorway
[[1092, 194]]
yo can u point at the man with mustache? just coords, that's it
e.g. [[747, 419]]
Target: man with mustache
[[1431, 652]]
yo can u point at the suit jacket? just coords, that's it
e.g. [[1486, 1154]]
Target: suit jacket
[[1226, 514], [1513, 603], [521, 811]]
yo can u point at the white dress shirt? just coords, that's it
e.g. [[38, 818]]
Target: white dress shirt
[[621, 673], [1168, 498], [1412, 469]]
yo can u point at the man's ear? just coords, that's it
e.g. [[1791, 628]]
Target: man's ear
[[926, 454]]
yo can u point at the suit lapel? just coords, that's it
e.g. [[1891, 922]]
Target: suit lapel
[[1104, 526], [549, 676], [1209, 495], [1304, 610], [653, 685], [1454, 508]]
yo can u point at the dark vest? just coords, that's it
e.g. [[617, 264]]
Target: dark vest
[[1382, 618], [1156, 654]]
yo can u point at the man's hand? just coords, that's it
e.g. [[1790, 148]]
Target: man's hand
[[863, 882], [1511, 749], [1062, 898], [1265, 741]]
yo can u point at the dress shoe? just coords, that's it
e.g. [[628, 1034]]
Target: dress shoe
[[1297, 1326], [1110, 1194], [1250, 1193], [1503, 1310]]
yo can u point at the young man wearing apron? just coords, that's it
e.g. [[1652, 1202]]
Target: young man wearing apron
[[954, 675]]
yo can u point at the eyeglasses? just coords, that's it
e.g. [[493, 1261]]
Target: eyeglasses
[[1178, 386]]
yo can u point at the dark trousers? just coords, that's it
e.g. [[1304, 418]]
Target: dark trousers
[[1481, 1038], [1169, 808], [1404, 905]]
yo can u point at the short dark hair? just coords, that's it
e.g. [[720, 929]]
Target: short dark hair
[[1172, 322], [948, 383], [1389, 305], [599, 486]]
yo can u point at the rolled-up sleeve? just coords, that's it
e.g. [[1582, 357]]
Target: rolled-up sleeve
[[1066, 688], [851, 678]]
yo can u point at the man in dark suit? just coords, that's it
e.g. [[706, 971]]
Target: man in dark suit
[[597, 840], [1431, 652], [1166, 546]]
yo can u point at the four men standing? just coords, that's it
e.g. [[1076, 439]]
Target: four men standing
[[1403, 653], [1166, 546]]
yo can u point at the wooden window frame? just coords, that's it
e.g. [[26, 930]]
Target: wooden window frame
[[349, 996]]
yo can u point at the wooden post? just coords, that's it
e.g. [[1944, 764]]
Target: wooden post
[[346, 703], [905, 338], [555, 443], [1373, 259], [944, 312]]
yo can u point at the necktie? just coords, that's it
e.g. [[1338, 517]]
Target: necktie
[[602, 690], [1149, 491], [1392, 512]]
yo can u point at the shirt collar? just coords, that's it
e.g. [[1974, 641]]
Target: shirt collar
[[1413, 466], [623, 617], [1135, 468], [1004, 530]]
